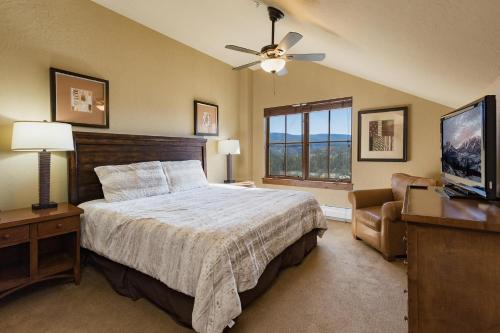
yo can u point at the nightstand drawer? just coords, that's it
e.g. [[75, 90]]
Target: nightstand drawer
[[60, 226], [12, 236]]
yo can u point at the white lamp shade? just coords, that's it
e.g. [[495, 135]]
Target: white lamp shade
[[41, 135], [273, 65], [229, 147]]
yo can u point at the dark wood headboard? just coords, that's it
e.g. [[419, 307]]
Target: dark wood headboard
[[96, 149]]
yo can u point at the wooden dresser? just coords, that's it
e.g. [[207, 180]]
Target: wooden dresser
[[453, 263], [37, 245]]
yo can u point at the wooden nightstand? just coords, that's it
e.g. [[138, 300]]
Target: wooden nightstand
[[38, 245], [246, 183]]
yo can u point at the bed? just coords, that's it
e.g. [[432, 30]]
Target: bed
[[202, 255]]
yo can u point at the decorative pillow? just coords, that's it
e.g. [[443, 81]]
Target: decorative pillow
[[132, 181], [184, 175]]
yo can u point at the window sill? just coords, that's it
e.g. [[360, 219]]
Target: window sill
[[308, 183]]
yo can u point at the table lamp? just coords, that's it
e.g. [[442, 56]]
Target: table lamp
[[43, 137], [229, 147]]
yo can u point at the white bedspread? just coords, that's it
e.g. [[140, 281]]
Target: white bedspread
[[209, 243]]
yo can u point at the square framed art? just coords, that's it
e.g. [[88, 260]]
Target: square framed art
[[78, 99], [383, 135], [206, 119]]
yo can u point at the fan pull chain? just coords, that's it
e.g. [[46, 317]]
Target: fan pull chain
[[274, 84]]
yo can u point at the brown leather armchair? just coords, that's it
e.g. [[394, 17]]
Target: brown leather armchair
[[376, 215]]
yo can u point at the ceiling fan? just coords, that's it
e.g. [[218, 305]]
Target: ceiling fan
[[274, 56]]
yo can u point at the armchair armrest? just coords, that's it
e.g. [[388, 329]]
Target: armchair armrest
[[368, 198], [391, 211], [392, 230]]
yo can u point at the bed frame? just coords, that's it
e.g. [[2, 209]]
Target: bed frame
[[96, 149]]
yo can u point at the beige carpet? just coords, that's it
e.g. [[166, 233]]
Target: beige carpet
[[342, 286]]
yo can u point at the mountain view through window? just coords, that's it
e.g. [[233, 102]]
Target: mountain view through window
[[310, 142]]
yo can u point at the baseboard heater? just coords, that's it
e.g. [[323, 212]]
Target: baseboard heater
[[337, 213]]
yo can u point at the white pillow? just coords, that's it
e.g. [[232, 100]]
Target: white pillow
[[184, 175], [132, 181]]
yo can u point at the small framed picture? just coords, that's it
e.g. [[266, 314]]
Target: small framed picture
[[383, 135], [78, 99], [206, 119]]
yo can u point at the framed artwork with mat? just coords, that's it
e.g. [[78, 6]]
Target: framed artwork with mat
[[383, 135], [79, 100], [206, 119]]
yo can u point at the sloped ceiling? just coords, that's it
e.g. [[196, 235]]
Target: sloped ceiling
[[447, 51]]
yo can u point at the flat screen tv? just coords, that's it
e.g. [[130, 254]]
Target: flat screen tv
[[469, 150]]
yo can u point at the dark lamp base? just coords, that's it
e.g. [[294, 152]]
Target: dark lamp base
[[44, 206], [229, 181]]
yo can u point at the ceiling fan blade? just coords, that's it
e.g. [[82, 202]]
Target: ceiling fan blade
[[282, 72], [306, 57], [241, 49], [289, 40], [246, 66]]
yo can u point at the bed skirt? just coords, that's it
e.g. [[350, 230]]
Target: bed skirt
[[131, 283]]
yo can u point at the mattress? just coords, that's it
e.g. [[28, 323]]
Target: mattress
[[210, 243]]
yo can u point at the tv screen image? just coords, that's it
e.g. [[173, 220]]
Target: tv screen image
[[462, 150]]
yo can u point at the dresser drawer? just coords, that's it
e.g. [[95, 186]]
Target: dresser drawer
[[15, 235], [60, 226]]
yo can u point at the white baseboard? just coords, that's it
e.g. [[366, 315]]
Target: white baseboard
[[337, 213]]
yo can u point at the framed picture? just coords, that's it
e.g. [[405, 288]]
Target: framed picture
[[383, 135], [206, 119], [79, 100]]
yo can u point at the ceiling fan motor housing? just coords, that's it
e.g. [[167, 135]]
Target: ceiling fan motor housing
[[271, 51]]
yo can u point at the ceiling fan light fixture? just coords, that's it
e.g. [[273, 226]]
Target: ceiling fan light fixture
[[273, 65]]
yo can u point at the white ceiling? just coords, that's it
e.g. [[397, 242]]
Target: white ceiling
[[446, 51]]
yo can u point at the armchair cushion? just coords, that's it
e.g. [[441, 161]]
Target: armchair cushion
[[370, 216]]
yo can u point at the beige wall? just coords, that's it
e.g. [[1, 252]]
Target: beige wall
[[153, 81], [307, 82], [494, 89]]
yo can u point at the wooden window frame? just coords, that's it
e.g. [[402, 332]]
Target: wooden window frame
[[305, 109]]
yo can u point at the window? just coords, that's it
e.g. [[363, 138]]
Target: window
[[285, 145], [309, 142]]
